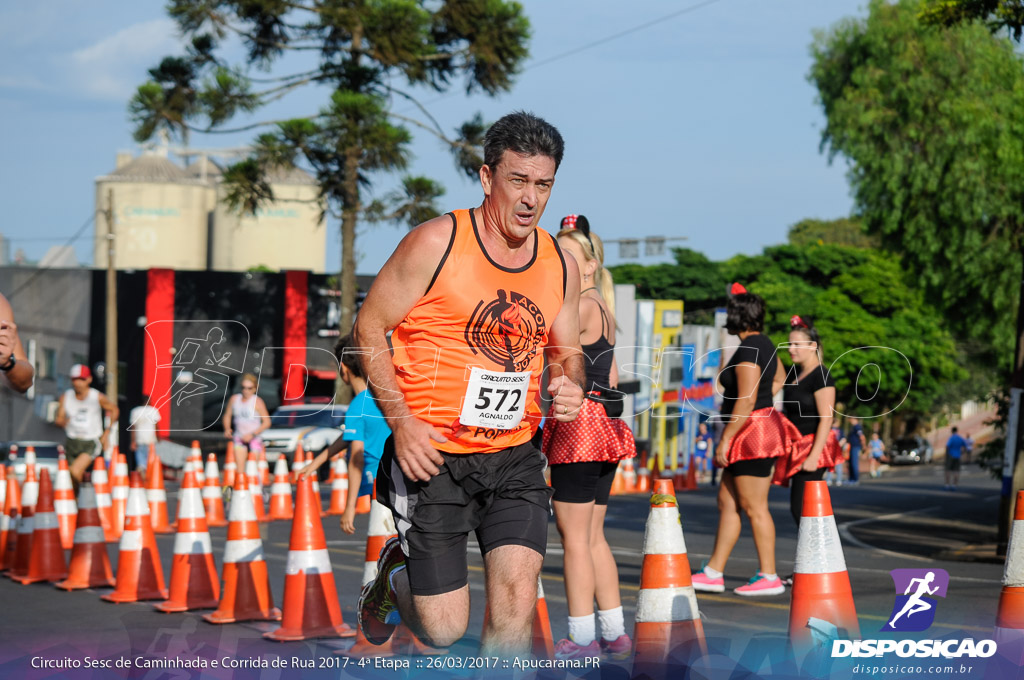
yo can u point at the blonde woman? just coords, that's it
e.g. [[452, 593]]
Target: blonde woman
[[583, 456]]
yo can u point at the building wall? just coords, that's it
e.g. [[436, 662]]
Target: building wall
[[286, 235], [52, 314], [156, 225]]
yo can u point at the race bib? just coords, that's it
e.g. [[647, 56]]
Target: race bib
[[495, 399], [702, 445]]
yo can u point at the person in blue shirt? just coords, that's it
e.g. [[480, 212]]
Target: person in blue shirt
[[955, 446], [364, 435], [857, 441]]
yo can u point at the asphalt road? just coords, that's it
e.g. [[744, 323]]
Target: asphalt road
[[903, 520]]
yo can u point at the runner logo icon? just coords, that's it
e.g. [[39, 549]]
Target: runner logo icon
[[914, 608]]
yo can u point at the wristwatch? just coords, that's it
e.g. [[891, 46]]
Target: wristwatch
[[9, 365]]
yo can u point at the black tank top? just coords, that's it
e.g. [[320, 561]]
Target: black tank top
[[599, 356]]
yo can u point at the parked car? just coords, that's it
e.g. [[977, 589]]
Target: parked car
[[315, 425], [910, 450], [46, 456]]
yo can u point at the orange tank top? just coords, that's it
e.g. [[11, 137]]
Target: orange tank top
[[477, 335]]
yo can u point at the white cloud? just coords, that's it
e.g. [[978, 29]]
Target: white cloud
[[113, 67]]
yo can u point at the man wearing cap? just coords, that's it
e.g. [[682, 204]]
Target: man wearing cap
[[81, 415]]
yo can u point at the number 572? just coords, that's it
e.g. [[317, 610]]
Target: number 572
[[483, 402]]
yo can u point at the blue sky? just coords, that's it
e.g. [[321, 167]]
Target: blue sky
[[701, 126]]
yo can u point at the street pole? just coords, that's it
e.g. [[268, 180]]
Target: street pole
[[111, 353]]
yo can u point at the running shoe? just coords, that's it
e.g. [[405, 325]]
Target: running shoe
[[567, 649], [704, 583], [618, 649], [377, 610], [760, 585]]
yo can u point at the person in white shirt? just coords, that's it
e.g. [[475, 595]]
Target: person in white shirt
[[143, 421], [81, 415]]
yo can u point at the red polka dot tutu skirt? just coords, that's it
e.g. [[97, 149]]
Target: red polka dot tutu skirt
[[763, 436], [593, 436], [799, 448]]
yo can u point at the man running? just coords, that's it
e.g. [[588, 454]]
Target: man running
[[81, 415], [459, 391]]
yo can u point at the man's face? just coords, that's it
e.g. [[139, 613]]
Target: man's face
[[80, 385], [518, 190]]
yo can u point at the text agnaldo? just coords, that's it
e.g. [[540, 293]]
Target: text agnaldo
[[949, 649]]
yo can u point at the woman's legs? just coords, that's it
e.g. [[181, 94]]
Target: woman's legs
[[752, 493], [606, 573], [796, 492], [574, 521], [729, 522]]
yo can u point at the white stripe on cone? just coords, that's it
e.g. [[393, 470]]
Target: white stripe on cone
[[382, 523], [210, 492], [308, 562], [29, 494], [191, 506], [241, 509], [1013, 570], [666, 605], [156, 495], [131, 540], [89, 535], [65, 507], [664, 534], [46, 520], [243, 550], [824, 552], [192, 543]]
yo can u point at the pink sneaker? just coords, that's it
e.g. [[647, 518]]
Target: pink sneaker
[[618, 649], [759, 585], [567, 649], [706, 584]]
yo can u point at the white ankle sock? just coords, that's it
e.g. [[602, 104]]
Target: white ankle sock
[[582, 630], [770, 577], [712, 573], [612, 625]]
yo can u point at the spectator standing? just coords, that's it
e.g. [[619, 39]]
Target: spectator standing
[[142, 425], [955, 446]]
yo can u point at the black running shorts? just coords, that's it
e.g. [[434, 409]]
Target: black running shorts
[[583, 482], [758, 467], [501, 496]]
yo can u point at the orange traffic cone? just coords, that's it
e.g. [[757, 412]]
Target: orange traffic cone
[[9, 524], [139, 573], [64, 503], [363, 504], [213, 499], [1009, 632], [310, 596], [668, 634], [298, 462], [23, 545], [252, 473], [90, 564], [194, 582], [821, 584], [119, 492], [264, 467], [30, 460], [628, 476], [339, 487], [4, 519], [247, 594], [281, 492], [230, 466], [543, 646], [156, 497], [101, 482], [46, 561], [197, 464]]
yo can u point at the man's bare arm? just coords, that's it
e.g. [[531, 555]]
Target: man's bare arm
[[402, 281]]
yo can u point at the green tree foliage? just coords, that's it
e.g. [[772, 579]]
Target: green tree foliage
[[931, 120], [996, 14], [372, 56], [844, 231]]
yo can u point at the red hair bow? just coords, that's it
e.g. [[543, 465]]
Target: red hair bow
[[796, 322], [737, 289], [569, 221]]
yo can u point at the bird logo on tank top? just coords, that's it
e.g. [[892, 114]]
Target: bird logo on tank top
[[508, 330]]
